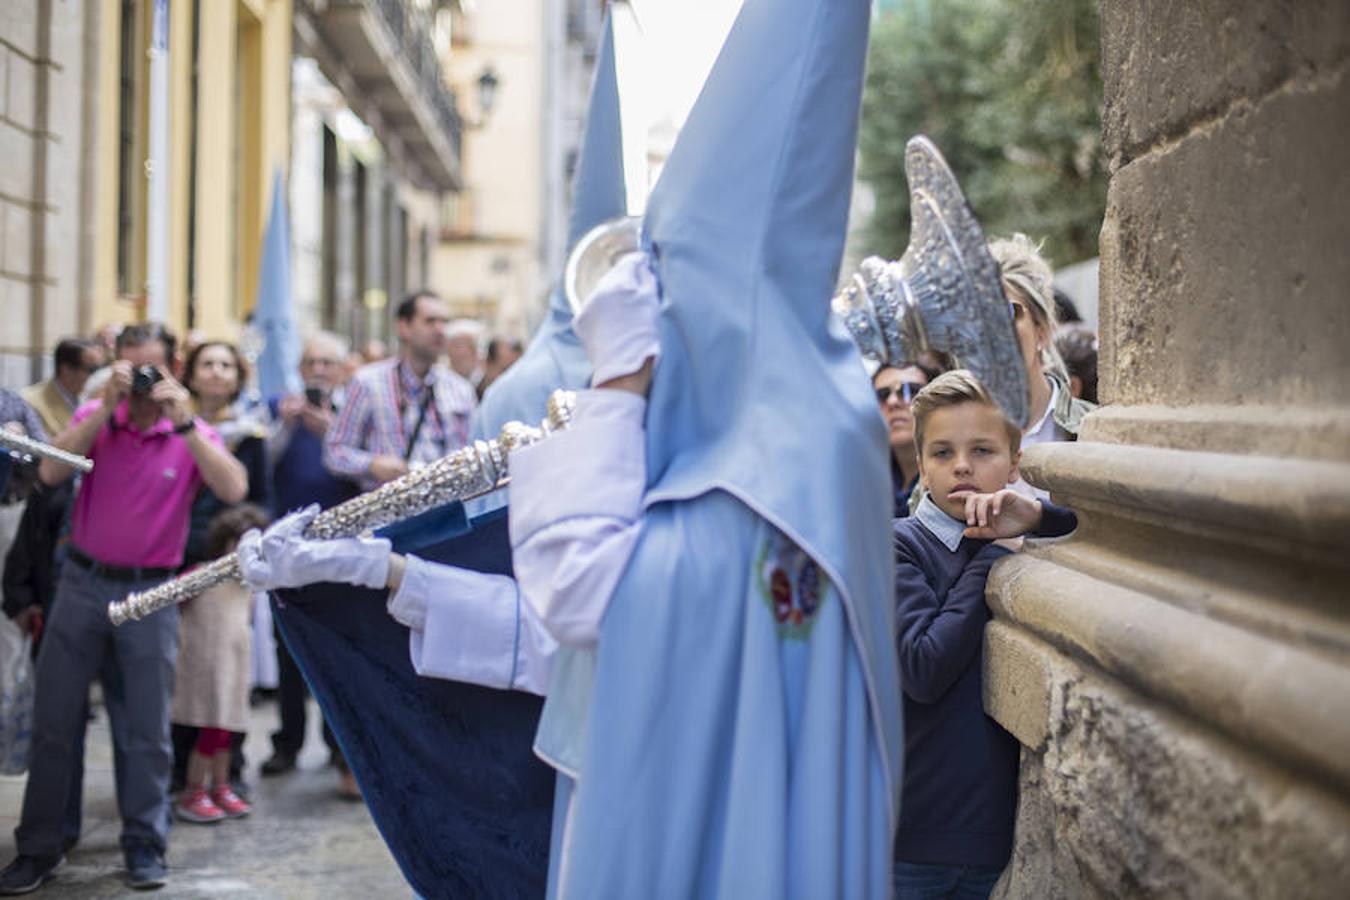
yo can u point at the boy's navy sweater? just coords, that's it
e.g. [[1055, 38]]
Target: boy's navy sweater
[[960, 776]]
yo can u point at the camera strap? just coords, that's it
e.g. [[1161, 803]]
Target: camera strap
[[428, 398]]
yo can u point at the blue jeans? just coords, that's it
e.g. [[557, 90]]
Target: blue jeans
[[925, 881]]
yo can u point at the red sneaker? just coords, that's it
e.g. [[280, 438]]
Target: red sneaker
[[230, 803], [196, 806]]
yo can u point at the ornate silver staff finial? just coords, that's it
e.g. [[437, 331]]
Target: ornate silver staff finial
[[595, 254], [469, 472], [944, 294], [28, 449]]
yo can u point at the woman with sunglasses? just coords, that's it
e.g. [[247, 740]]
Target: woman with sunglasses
[[1055, 414], [895, 389]]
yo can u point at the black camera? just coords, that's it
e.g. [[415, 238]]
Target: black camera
[[314, 396], [143, 378]]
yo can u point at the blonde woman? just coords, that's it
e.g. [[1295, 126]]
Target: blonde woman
[[1055, 414]]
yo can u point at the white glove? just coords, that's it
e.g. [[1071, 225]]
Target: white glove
[[281, 557], [617, 324]]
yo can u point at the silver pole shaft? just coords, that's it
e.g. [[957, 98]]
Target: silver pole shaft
[[467, 473]]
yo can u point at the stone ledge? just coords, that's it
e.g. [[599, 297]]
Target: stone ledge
[[1277, 431], [1251, 590], [1292, 704], [1300, 508]]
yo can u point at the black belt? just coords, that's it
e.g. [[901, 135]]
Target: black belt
[[114, 573]]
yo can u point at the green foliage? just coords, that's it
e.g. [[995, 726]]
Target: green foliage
[[1011, 92]]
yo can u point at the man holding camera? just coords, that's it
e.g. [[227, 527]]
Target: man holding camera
[[129, 525], [295, 450]]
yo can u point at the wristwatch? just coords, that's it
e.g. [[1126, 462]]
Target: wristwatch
[[189, 425]]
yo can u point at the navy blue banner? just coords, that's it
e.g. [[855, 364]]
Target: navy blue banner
[[445, 767]]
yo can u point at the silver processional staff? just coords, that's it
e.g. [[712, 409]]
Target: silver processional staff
[[28, 449], [469, 472]]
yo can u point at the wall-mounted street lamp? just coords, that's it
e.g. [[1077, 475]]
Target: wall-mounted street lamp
[[487, 93]]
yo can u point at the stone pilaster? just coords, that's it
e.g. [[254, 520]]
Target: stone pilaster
[[1179, 670], [42, 183]]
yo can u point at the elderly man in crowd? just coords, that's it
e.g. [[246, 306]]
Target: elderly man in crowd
[[464, 345], [299, 479], [128, 529]]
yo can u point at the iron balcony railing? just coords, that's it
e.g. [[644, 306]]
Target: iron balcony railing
[[411, 33]]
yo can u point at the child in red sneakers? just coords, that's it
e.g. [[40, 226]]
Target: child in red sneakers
[[211, 686]]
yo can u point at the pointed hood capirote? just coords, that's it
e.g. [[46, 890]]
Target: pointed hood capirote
[[555, 358], [759, 392]]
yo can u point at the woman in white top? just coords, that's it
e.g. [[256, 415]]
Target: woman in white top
[[1055, 414]]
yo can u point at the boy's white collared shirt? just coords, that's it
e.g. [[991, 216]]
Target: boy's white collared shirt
[[942, 526]]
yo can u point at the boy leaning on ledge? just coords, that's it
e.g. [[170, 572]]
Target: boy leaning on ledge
[[960, 786]]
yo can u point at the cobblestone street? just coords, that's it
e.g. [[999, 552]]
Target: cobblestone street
[[301, 840]]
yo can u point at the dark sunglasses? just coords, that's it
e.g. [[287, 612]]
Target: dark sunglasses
[[1016, 310], [906, 389]]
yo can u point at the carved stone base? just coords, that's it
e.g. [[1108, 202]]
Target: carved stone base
[[1123, 798], [1178, 673]]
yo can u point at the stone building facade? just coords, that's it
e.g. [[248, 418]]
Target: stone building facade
[[376, 143], [503, 237], [1178, 672], [45, 180], [76, 162], [77, 136]]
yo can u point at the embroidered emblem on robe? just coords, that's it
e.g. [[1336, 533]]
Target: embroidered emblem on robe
[[791, 584]]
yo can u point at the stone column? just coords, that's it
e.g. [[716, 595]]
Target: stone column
[[1178, 672]]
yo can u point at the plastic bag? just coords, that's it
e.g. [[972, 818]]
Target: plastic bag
[[16, 698]]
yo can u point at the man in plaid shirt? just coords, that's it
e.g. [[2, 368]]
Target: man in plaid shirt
[[404, 412]]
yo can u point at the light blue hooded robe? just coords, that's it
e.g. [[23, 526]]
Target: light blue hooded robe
[[736, 733]]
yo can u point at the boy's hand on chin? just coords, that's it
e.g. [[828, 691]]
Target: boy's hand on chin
[[1002, 514]]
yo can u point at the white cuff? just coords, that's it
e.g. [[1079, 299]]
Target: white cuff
[[609, 405], [568, 571], [470, 623], [596, 467], [408, 604]]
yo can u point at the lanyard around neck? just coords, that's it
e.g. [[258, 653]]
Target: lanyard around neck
[[428, 402]]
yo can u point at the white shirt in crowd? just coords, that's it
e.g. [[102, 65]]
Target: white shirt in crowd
[[1044, 431]]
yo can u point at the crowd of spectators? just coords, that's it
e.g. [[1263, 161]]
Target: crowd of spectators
[[188, 455], [187, 450]]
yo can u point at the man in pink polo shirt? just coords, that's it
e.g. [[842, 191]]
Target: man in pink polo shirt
[[128, 529]]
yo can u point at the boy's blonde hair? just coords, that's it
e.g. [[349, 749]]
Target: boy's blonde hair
[[952, 389]]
